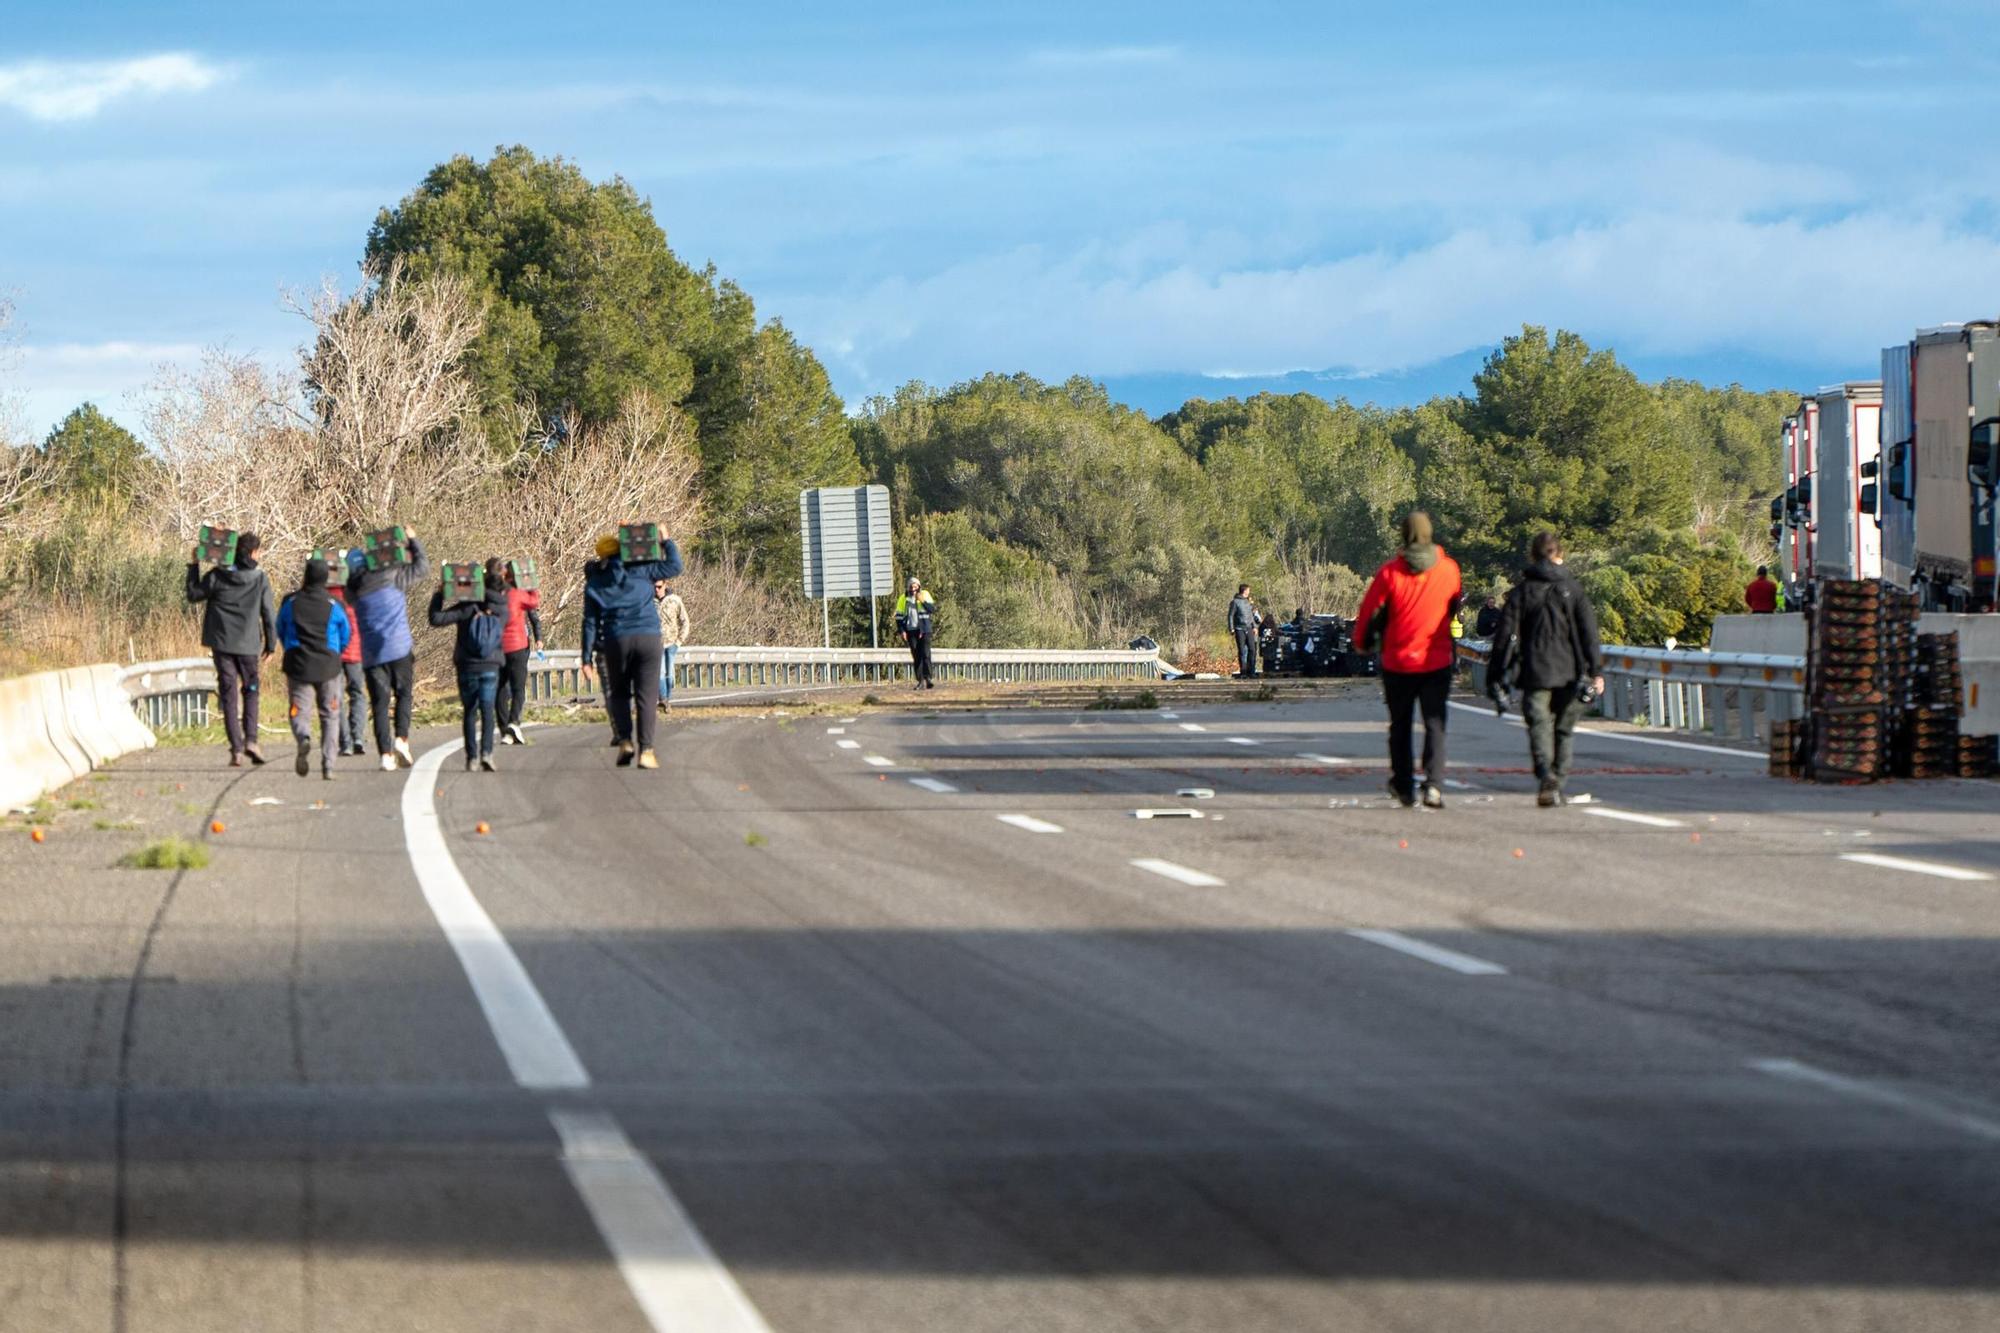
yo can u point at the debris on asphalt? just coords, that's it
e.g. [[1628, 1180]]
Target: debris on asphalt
[[1197, 793], [1167, 814]]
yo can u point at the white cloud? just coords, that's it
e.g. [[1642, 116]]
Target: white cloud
[[51, 378], [1657, 282], [50, 90]]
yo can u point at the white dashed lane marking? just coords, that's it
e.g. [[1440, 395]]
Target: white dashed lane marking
[[1030, 823], [877, 761], [933, 784], [1463, 963], [1241, 740], [1631, 817], [1860, 1090], [848, 745], [1331, 760], [1933, 868], [1193, 726], [1168, 870]]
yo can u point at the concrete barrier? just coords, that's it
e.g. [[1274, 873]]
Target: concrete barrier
[[57, 726]]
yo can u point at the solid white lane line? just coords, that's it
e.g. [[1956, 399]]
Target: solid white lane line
[[1241, 740], [1193, 726], [1030, 823], [1450, 958], [836, 731], [933, 784], [1332, 760], [1631, 817], [878, 761], [1800, 1072], [536, 1050], [1168, 870], [1914, 867], [1588, 733], [675, 1277]]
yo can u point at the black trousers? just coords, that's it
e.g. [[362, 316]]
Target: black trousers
[[236, 685], [632, 681], [1246, 652], [1407, 693], [390, 686], [920, 657], [513, 695]]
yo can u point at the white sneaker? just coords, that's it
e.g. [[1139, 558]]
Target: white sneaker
[[514, 736], [388, 763], [403, 755]]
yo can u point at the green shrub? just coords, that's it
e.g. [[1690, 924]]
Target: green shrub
[[173, 853]]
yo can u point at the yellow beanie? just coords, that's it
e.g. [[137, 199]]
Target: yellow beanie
[[607, 546]]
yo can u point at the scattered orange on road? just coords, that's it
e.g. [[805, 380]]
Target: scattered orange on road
[[36, 835], [215, 826], [481, 828]]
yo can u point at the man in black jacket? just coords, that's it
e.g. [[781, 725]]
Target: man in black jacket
[[239, 625], [1243, 623], [1546, 644]]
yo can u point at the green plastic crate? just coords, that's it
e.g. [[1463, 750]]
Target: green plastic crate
[[336, 564], [386, 547], [640, 543], [216, 546], [525, 576], [464, 582]]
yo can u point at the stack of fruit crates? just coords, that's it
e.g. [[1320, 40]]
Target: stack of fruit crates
[[1927, 743], [1859, 649], [1978, 756], [1787, 748]]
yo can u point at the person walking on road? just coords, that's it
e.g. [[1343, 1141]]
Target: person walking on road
[[1243, 621], [1416, 594], [380, 598], [1762, 594], [916, 618], [1547, 648], [477, 657], [315, 630], [239, 626], [619, 617], [522, 636], [354, 687], [674, 630]]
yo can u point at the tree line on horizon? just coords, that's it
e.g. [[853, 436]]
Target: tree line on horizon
[[1039, 513]]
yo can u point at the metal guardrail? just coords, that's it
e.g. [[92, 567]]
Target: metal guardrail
[[180, 693], [1727, 695]]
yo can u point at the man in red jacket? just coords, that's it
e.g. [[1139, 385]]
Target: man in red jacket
[[1418, 592]]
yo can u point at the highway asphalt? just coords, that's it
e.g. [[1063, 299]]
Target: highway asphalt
[[884, 1021]]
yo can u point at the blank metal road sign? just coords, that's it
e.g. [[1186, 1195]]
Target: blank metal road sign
[[844, 536]]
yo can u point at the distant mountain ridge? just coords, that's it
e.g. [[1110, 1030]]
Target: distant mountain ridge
[[1161, 392]]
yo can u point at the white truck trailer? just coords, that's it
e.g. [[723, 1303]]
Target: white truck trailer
[[1847, 542]]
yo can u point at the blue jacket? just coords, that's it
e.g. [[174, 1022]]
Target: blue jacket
[[381, 606], [618, 599], [336, 628]]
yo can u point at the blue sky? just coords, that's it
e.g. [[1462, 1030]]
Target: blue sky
[[936, 190]]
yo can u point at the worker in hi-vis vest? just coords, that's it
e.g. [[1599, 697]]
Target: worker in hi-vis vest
[[916, 612]]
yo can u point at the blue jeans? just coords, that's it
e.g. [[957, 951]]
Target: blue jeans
[[477, 689], [667, 672]]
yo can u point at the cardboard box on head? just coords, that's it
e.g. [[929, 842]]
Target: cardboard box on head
[[464, 582], [525, 576], [640, 543], [387, 546], [217, 546], [336, 564]]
